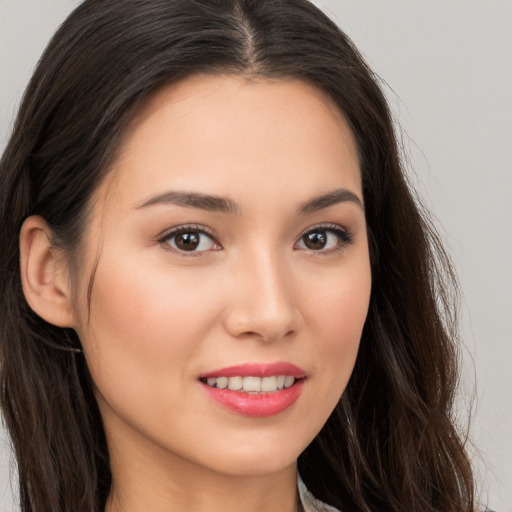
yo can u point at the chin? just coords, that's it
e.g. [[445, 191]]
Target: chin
[[261, 456], [255, 466]]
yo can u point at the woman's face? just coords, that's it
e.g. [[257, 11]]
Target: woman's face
[[229, 248]]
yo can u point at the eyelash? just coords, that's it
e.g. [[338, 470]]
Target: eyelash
[[190, 228], [344, 236]]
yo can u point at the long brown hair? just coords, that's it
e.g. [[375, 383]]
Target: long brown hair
[[391, 443]]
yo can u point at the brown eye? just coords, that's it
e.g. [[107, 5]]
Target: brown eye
[[189, 240], [324, 239], [315, 240]]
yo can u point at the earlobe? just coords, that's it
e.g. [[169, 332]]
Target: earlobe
[[44, 274]]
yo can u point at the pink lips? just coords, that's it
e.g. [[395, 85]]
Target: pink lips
[[258, 405]]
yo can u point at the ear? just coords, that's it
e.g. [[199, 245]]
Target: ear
[[44, 274]]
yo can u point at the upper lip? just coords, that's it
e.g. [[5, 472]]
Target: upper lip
[[257, 370]]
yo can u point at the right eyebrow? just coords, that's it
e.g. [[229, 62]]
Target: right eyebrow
[[193, 200]]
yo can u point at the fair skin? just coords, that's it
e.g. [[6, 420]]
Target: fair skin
[[272, 274]]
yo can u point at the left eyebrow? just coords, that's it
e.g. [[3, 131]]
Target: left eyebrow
[[331, 198]]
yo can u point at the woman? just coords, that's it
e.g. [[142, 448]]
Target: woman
[[206, 233]]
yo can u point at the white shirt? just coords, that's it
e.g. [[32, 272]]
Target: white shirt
[[309, 502]]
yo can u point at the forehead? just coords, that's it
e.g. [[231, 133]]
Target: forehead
[[209, 132]]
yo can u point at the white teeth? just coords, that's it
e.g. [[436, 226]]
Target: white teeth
[[252, 384], [235, 383], [288, 381], [222, 382], [269, 384]]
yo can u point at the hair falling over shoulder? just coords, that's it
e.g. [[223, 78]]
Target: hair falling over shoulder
[[391, 444]]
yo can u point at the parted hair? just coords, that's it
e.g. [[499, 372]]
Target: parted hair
[[391, 443]]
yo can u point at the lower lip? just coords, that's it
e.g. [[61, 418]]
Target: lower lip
[[257, 405]]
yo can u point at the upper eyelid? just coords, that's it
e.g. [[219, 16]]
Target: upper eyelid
[[203, 229], [326, 227], [186, 227], [338, 229]]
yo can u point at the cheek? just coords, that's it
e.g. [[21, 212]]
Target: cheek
[[140, 321], [337, 313], [338, 301]]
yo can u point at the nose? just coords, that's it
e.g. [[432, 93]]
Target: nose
[[263, 303]]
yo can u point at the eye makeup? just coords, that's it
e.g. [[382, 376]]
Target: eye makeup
[[194, 239], [189, 240], [325, 239]]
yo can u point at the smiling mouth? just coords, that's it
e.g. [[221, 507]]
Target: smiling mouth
[[250, 384]]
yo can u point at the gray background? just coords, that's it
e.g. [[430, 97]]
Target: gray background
[[448, 64]]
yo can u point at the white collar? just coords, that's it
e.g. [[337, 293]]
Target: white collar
[[309, 502]]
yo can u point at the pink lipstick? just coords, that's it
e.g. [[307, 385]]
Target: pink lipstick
[[255, 389]]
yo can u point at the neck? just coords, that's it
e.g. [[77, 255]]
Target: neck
[[172, 484]]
